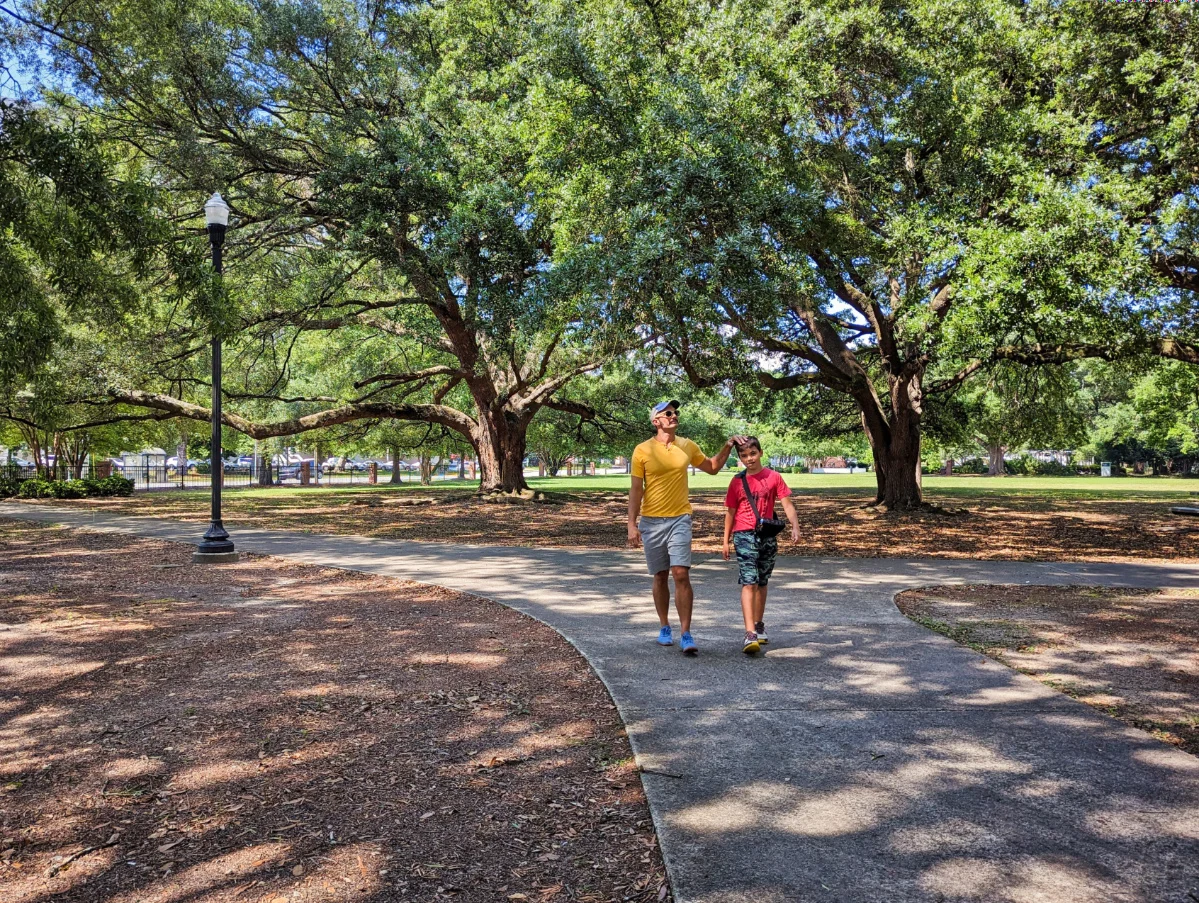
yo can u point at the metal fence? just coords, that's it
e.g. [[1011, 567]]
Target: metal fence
[[154, 477]]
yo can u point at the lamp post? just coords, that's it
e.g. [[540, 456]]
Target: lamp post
[[216, 547]]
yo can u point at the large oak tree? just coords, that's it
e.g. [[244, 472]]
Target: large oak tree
[[883, 199], [375, 159]]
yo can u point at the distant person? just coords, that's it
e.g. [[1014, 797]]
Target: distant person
[[756, 543], [658, 496]]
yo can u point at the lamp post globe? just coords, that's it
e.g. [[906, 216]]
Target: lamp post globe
[[216, 545]]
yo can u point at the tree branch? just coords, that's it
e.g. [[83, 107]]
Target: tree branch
[[414, 376], [423, 413]]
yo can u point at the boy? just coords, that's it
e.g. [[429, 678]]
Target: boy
[[755, 554]]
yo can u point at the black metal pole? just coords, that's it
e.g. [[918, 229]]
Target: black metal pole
[[216, 540]]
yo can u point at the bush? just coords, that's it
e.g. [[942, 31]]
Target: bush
[[974, 465], [9, 486], [203, 467], [1020, 467], [65, 489], [1087, 470], [113, 485], [1053, 469], [37, 488]]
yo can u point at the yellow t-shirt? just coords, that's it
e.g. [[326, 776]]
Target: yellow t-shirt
[[665, 472]]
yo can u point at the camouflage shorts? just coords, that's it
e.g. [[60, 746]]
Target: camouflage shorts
[[755, 557]]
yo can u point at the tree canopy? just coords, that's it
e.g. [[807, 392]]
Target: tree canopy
[[447, 213]]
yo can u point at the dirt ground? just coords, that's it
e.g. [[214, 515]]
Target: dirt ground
[[1133, 654], [268, 732], [831, 525]]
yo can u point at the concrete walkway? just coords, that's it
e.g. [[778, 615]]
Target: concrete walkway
[[863, 758]]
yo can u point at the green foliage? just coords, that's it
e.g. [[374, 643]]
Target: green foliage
[[39, 488], [9, 486], [50, 489], [76, 235]]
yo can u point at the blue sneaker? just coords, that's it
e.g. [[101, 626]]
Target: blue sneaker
[[664, 637], [687, 644]]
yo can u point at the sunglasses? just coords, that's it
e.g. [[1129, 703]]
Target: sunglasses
[[674, 414]]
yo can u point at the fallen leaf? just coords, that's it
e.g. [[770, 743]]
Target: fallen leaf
[[427, 815], [170, 846], [297, 870]]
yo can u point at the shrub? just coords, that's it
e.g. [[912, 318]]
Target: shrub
[[77, 489], [1020, 467], [36, 489], [1053, 469], [974, 465], [113, 485], [9, 486]]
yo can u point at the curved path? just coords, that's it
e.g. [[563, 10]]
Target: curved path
[[863, 758]]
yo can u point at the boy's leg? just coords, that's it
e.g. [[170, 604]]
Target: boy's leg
[[767, 552], [662, 596], [745, 542], [749, 604], [684, 596]]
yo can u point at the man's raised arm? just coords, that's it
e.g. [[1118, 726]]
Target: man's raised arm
[[713, 464]]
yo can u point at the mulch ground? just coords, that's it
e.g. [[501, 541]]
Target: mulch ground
[[831, 525], [1131, 653], [267, 732]]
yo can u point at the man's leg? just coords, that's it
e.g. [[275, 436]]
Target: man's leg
[[662, 597], [683, 595]]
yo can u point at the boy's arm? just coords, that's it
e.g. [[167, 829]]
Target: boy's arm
[[792, 517], [636, 491], [728, 530]]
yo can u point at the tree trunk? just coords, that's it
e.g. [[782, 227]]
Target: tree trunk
[[897, 471], [895, 442], [426, 469], [947, 470], [395, 465], [995, 466], [501, 441]]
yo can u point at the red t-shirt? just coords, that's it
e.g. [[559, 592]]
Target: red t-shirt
[[766, 485]]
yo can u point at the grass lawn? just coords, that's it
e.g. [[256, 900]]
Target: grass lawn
[[1014, 518], [963, 488], [960, 487]]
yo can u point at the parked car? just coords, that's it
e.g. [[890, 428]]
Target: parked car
[[288, 467]]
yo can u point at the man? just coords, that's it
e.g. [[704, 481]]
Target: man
[[659, 495]]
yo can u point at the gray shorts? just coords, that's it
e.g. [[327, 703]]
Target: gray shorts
[[667, 542]]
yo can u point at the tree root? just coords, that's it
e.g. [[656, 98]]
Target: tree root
[[882, 509], [513, 497]]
